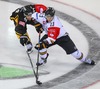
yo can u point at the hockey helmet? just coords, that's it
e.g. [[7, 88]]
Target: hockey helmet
[[50, 12], [28, 10]]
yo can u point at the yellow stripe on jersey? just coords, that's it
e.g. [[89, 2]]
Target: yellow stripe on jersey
[[37, 25], [15, 19], [18, 35]]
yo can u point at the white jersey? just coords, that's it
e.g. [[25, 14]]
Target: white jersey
[[40, 17], [54, 29]]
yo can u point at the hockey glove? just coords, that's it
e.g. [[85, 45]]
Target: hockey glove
[[24, 40], [29, 47], [41, 45], [39, 30]]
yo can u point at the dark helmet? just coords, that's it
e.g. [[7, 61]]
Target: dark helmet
[[28, 10], [50, 12]]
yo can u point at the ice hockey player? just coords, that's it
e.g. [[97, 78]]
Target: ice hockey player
[[23, 16], [56, 34]]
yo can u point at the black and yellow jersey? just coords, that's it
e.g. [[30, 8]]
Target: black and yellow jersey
[[20, 22]]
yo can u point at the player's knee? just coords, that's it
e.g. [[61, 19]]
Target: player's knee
[[77, 54]]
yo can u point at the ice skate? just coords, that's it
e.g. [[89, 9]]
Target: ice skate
[[90, 62]]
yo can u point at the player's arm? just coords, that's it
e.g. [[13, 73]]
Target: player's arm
[[20, 25], [53, 33], [20, 29], [36, 24], [21, 32]]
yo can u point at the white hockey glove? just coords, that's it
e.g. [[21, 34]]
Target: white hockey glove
[[29, 47]]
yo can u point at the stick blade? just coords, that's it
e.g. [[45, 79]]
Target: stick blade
[[39, 83]]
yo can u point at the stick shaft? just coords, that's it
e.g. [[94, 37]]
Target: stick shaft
[[38, 56]]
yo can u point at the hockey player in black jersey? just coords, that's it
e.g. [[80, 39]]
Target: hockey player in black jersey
[[21, 17]]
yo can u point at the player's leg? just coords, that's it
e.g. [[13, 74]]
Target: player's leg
[[43, 56], [43, 52], [79, 55], [67, 44]]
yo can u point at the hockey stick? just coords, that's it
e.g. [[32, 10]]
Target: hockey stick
[[36, 76], [38, 60]]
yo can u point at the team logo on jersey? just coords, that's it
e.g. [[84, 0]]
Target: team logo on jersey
[[51, 35]]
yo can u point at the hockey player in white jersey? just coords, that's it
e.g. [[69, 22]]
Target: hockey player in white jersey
[[56, 34]]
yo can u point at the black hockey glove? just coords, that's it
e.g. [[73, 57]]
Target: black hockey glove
[[39, 30], [41, 45], [24, 40], [44, 37], [38, 27]]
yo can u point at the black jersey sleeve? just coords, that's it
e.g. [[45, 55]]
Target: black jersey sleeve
[[36, 24]]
